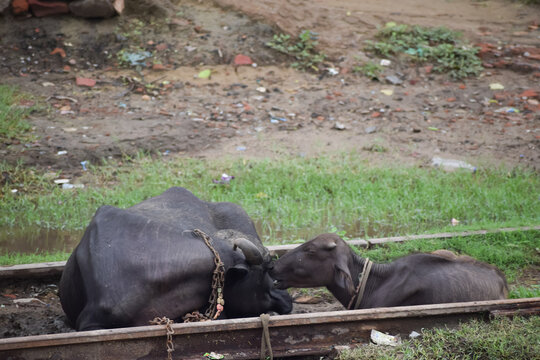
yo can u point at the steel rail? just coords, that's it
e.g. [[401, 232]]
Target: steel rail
[[291, 335], [55, 268]]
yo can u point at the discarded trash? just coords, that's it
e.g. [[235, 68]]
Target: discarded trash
[[507, 109], [225, 179], [450, 164], [261, 89], [205, 74], [276, 119], [61, 181], [385, 62], [414, 334], [62, 152], [380, 338], [433, 128], [27, 301], [241, 148], [47, 84], [213, 356], [135, 58], [496, 86], [68, 186], [387, 92], [14, 191], [333, 71], [454, 222], [84, 163]]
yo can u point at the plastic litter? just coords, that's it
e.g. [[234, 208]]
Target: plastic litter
[[136, 58], [451, 164], [27, 301], [333, 71], [214, 356], [61, 181], [62, 152], [68, 186], [454, 222], [83, 164], [205, 74], [385, 62], [414, 334], [507, 109], [496, 86], [380, 338], [387, 92], [225, 179], [241, 148]]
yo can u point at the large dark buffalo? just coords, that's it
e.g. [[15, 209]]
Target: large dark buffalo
[[135, 264], [416, 279]]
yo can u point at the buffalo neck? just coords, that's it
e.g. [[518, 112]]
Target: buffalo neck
[[356, 265]]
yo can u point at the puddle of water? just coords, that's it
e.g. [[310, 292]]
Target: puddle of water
[[37, 240]]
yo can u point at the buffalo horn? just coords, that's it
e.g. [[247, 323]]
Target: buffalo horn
[[330, 245], [251, 252]]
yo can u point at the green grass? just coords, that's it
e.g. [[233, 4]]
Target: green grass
[[17, 258], [439, 46], [12, 114], [501, 339], [293, 198]]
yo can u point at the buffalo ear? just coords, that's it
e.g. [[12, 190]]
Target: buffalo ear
[[237, 272], [342, 277]]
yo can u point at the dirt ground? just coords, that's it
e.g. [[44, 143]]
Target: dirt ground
[[163, 107]]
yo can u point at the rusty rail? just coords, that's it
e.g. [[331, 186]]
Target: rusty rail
[[291, 335], [55, 268]]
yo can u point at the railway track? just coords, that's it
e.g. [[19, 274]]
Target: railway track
[[291, 336], [297, 335]]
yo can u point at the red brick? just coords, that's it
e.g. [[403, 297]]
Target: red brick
[[85, 82]]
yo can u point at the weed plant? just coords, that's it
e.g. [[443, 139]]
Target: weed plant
[[440, 46], [12, 115], [302, 49]]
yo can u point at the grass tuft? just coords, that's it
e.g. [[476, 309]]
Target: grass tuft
[[440, 46], [13, 113]]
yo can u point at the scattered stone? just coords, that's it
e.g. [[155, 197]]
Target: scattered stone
[[370, 129], [339, 126], [394, 80]]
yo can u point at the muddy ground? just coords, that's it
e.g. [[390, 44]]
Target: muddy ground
[[163, 107]]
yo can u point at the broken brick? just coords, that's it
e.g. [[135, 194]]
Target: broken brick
[[242, 60], [59, 51], [530, 93], [85, 82], [19, 6]]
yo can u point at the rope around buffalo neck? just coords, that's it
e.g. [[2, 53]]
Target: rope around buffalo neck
[[216, 302], [362, 280], [265, 338]]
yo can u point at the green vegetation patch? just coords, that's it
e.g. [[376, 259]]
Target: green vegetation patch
[[302, 49], [295, 198], [14, 108], [502, 339], [439, 46]]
